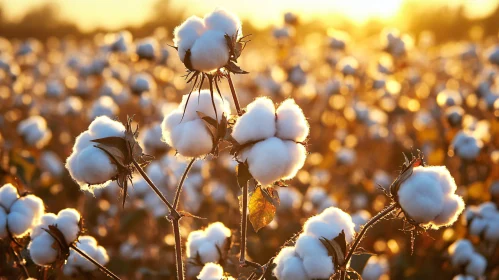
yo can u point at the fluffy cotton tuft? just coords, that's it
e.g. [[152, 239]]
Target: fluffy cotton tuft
[[466, 145], [50, 162], [428, 196], [41, 247], [205, 39], [205, 242], [34, 131], [290, 198], [189, 135], [77, 263], [276, 154], [88, 165], [464, 257], [376, 268], [309, 259], [104, 106], [212, 271], [483, 221]]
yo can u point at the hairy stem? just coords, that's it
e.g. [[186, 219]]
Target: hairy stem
[[155, 189], [244, 225], [178, 249], [365, 228], [234, 96], [181, 183], [100, 266]]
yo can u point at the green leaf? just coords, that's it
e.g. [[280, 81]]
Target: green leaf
[[262, 207], [243, 174]]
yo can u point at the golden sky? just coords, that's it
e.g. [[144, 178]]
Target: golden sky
[[89, 14]]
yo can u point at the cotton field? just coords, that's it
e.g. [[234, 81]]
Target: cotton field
[[214, 150]]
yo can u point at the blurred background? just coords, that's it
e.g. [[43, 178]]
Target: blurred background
[[448, 19]]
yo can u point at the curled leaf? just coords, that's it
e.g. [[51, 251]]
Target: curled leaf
[[262, 207]]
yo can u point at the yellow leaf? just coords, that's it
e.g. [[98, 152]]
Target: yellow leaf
[[261, 208]]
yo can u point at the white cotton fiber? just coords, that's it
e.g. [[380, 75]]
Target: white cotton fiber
[[148, 48], [290, 198], [375, 268], [76, 262], [34, 131], [258, 123], [89, 165], [8, 194], [24, 214], [466, 145], [205, 242], [205, 40], [268, 160], [477, 265], [103, 106], [427, 196], [142, 82], [212, 271], [41, 251], [291, 122], [309, 258], [210, 51], [189, 135], [297, 155]]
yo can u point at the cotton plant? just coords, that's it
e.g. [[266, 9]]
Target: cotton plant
[[76, 263], [213, 271], [19, 214], [270, 141], [464, 258], [313, 256], [35, 132]]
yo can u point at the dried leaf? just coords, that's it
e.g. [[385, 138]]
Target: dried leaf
[[261, 208], [336, 248], [234, 68], [189, 215]]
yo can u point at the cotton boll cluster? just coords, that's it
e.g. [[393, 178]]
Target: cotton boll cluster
[[212, 271], [317, 198], [206, 244], [463, 256], [360, 218], [428, 197], [41, 248], [76, 263], [88, 165], [150, 139], [34, 131], [278, 152], [201, 42], [104, 106], [309, 258], [483, 221], [50, 162], [376, 268], [466, 145], [148, 48], [185, 131], [18, 214], [290, 198]]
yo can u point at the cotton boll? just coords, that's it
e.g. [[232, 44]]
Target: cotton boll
[[8, 195], [212, 271], [191, 139], [453, 207], [54, 89], [203, 102], [45, 220], [346, 156], [268, 160], [187, 33], [318, 267], [290, 198], [24, 214], [34, 131], [50, 162], [294, 270], [297, 155], [291, 122], [308, 245], [104, 106], [217, 233], [317, 228], [208, 252], [421, 196], [466, 145], [41, 251], [194, 240], [210, 51], [476, 266], [96, 165], [460, 251], [150, 139], [492, 230], [148, 48], [3, 223], [487, 210], [281, 259], [142, 82], [224, 21], [477, 226], [375, 268], [257, 123], [68, 223], [88, 245]]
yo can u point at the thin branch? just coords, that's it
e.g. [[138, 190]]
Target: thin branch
[[178, 248], [181, 183], [155, 189], [365, 228], [20, 262], [244, 225], [234, 95], [100, 266]]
